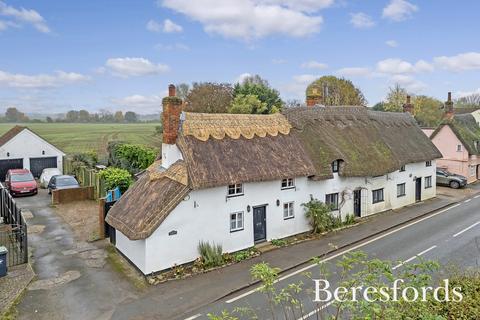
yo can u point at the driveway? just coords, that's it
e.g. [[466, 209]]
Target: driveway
[[73, 279]]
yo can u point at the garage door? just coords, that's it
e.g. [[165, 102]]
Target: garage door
[[5, 165], [38, 164]]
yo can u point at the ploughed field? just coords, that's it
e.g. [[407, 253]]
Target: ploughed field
[[82, 137]]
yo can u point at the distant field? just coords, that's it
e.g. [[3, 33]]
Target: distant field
[[80, 137]]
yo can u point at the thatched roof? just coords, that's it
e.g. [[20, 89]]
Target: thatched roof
[[466, 129], [465, 110], [370, 143], [148, 202]]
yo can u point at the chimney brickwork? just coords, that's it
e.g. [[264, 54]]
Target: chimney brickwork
[[449, 112], [408, 107], [172, 108]]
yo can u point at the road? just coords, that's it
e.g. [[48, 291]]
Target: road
[[447, 236]]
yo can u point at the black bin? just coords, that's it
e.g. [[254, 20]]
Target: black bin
[[3, 261]]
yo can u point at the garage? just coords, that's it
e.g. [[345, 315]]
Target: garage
[[8, 164], [38, 164]]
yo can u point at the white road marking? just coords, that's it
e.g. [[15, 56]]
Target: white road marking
[[243, 295], [468, 200], [466, 229], [477, 196], [314, 312], [414, 257], [194, 316]]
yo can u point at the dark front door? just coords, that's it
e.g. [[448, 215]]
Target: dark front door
[[5, 165], [357, 202], [259, 224], [38, 164], [418, 189]]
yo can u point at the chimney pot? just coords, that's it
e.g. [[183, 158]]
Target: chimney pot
[[171, 91], [408, 99], [449, 96]]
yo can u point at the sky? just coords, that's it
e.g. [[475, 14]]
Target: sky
[[121, 55]]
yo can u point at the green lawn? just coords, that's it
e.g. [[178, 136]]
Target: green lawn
[[80, 137]]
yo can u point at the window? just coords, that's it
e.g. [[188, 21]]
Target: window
[[235, 190], [428, 163], [288, 183], [335, 165], [377, 195], [402, 168], [400, 190], [236, 221], [459, 148], [332, 200], [288, 210], [428, 182]]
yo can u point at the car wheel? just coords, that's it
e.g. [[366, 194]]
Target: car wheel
[[454, 185], [49, 191]]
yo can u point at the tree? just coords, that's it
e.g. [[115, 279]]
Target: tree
[[335, 91], [182, 90], [118, 117], [427, 111], [470, 101], [49, 120], [209, 97], [379, 106], [130, 116], [247, 104], [83, 116], [259, 87], [14, 115], [72, 116], [396, 98]]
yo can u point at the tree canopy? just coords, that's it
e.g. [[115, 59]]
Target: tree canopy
[[396, 98], [470, 101], [209, 97], [336, 92], [256, 86], [247, 104]]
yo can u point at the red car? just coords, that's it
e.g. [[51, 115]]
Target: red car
[[20, 182]]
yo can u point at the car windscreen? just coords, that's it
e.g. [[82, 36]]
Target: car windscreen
[[67, 181], [22, 177]]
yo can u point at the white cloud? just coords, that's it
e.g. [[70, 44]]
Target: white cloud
[[398, 66], [140, 103], [391, 43], [408, 82], [60, 78], [423, 66], [127, 67], [314, 65], [171, 47], [22, 15], [460, 94], [299, 84], [354, 72], [242, 77], [461, 62], [279, 61], [399, 10], [361, 20], [252, 19], [170, 27], [154, 26]]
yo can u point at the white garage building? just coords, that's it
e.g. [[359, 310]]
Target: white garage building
[[21, 148]]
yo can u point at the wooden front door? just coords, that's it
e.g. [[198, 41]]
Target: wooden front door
[[418, 189], [259, 224], [357, 202]]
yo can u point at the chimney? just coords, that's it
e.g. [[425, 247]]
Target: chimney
[[408, 107], [172, 108], [314, 98], [449, 112]]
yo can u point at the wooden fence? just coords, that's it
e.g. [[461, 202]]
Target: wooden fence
[[86, 177], [74, 194]]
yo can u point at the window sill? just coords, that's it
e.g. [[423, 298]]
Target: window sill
[[289, 218], [400, 196], [287, 188], [235, 195], [378, 202], [428, 187], [236, 230]]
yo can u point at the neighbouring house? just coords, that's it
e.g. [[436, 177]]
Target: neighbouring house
[[236, 179], [21, 148], [458, 138], [474, 111]]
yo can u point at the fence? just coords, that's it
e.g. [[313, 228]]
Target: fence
[[13, 230], [105, 229], [69, 195], [86, 177]]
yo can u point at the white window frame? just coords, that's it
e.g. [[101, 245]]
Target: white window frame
[[236, 221], [288, 210], [428, 163], [378, 200], [333, 196], [403, 192], [429, 184], [459, 148], [402, 168], [237, 190], [335, 166], [288, 183]]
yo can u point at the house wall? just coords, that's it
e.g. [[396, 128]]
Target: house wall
[[458, 162], [204, 215], [26, 145], [133, 250], [428, 131]]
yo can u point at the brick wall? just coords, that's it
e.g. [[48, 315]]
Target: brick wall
[[69, 195]]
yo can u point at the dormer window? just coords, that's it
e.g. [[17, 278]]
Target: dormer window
[[402, 168], [288, 183], [335, 165], [235, 190], [428, 163]]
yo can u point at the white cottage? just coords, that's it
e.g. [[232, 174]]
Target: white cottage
[[237, 180], [21, 148]]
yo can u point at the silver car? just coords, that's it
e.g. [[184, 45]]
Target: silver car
[[455, 181], [47, 174]]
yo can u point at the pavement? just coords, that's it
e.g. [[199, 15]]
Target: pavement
[[68, 287]]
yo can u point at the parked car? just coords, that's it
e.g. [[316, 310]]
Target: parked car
[[455, 181], [62, 182], [47, 174], [20, 182]]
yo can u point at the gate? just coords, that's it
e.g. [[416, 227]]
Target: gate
[[109, 230], [13, 230]]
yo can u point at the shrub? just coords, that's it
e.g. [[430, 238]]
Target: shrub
[[211, 254], [132, 157], [349, 219], [279, 242], [89, 159], [116, 177], [320, 216]]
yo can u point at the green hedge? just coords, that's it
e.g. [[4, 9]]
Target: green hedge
[[116, 177], [131, 157]]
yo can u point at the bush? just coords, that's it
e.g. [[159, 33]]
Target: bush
[[320, 216], [132, 157], [116, 177], [279, 242], [89, 159], [211, 255], [349, 219]]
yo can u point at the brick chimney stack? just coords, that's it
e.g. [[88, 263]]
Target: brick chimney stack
[[172, 108], [408, 107], [449, 112], [314, 98]]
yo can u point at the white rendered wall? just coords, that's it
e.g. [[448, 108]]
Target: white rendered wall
[[133, 250], [205, 214], [170, 154]]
